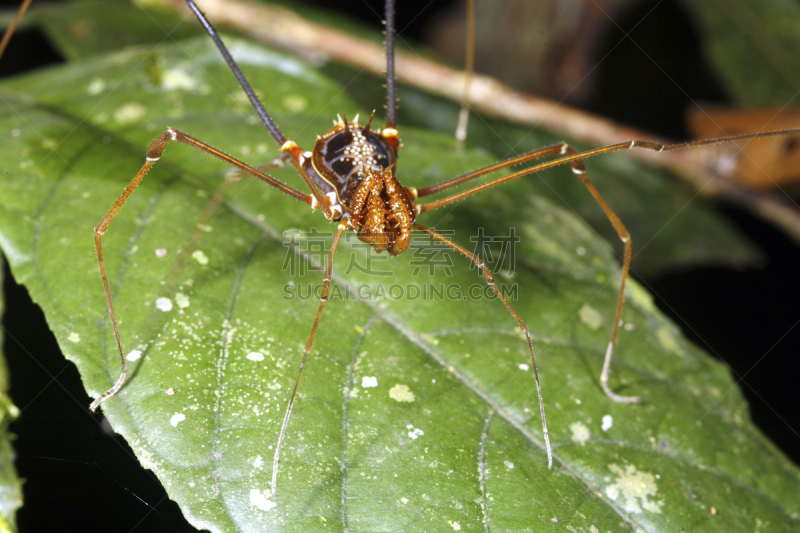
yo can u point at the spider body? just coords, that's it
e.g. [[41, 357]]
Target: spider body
[[354, 167]]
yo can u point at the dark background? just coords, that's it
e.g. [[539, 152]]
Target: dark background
[[748, 319]]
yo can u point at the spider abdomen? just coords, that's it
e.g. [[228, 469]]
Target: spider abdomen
[[382, 213]]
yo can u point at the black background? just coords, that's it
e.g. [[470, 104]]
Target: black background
[[80, 476]]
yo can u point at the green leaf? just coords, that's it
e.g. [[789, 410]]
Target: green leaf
[[204, 403], [87, 27], [752, 44], [10, 484]]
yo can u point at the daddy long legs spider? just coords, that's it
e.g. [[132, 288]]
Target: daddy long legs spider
[[402, 164]]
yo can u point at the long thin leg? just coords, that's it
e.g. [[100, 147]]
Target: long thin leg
[[391, 87], [490, 280], [286, 145], [153, 155], [579, 168], [555, 149], [13, 26], [276, 133], [550, 150], [469, 69], [576, 160], [326, 283]]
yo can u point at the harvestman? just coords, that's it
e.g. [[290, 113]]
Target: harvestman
[[350, 175]]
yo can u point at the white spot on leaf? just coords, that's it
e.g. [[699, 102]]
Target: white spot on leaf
[[260, 500], [130, 112], [668, 340], [591, 317], [401, 393], [415, 433], [176, 419], [367, 382], [96, 86], [74, 337], [295, 103], [580, 433], [177, 79], [255, 356], [165, 304], [182, 300], [200, 257], [636, 488], [607, 422], [133, 355]]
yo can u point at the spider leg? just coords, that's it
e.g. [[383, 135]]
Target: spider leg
[[575, 158], [568, 157], [556, 149], [391, 86], [326, 283], [469, 70], [487, 274], [287, 146], [13, 26], [578, 167], [153, 155]]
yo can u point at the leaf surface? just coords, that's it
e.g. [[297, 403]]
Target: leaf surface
[[205, 400], [10, 484], [752, 45]]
